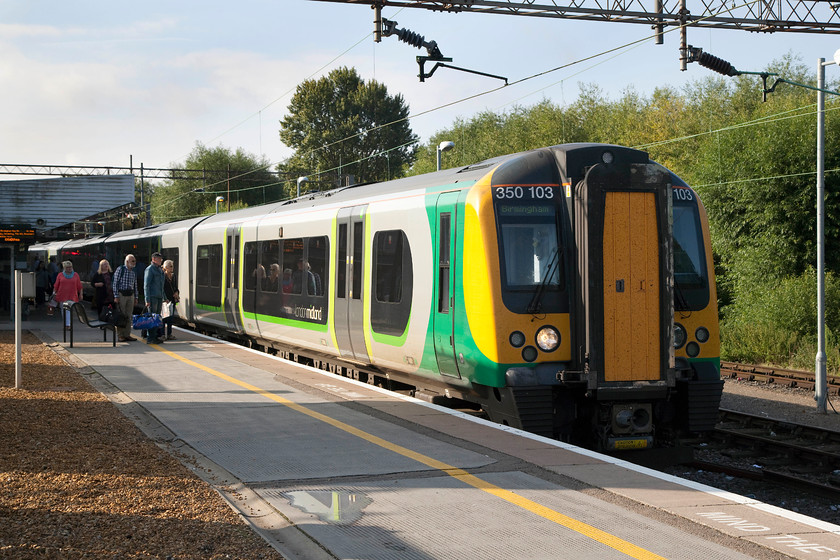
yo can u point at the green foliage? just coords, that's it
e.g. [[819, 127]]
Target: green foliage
[[775, 322], [242, 178], [341, 125]]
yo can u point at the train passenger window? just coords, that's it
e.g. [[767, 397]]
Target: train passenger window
[[208, 275], [209, 266], [252, 271], [392, 283], [171, 254], [293, 263], [358, 260], [316, 259], [387, 265], [341, 263], [443, 262], [269, 271]]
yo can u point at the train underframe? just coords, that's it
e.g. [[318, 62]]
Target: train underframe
[[609, 418]]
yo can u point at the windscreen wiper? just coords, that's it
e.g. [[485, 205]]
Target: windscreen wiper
[[536, 301]]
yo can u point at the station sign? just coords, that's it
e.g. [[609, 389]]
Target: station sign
[[16, 234]]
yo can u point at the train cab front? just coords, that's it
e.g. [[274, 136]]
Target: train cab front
[[569, 294], [517, 251]]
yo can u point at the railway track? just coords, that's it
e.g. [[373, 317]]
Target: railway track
[[774, 452], [777, 376]]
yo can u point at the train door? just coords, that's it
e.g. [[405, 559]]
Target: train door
[[349, 285], [626, 288], [444, 316], [231, 299], [631, 287]]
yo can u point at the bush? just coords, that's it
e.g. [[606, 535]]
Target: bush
[[776, 323]]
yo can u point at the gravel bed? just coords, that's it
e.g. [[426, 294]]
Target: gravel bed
[[79, 480]]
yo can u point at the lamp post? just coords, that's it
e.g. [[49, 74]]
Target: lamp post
[[820, 387], [218, 200], [444, 146], [300, 181]]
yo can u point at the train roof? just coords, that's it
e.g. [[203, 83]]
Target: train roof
[[84, 241], [447, 177], [566, 155], [153, 230], [48, 245]]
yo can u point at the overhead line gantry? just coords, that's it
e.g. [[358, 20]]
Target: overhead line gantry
[[757, 16]]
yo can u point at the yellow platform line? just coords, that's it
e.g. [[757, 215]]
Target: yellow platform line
[[593, 533]]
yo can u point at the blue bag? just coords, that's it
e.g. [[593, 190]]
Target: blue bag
[[146, 321]]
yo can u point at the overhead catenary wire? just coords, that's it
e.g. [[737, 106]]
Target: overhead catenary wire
[[464, 99], [618, 50]]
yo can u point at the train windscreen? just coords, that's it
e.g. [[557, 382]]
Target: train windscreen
[[531, 252], [691, 279]]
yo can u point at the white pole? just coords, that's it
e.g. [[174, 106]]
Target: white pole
[[820, 386], [18, 334]]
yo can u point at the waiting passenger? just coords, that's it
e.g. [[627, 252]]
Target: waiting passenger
[[124, 287], [68, 287], [103, 288]]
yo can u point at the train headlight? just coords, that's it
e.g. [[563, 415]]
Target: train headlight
[[517, 339], [701, 334], [693, 349], [548, 339], [679, 335], [529, 353]]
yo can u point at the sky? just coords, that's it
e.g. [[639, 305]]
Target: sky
[[103, 83]]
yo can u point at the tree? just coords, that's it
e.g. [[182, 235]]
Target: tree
[[341, 125], [243, 179]]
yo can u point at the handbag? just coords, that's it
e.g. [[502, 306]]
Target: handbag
[[53, 301], [112, 315], [168, 311], [146, 321], [107, 315]]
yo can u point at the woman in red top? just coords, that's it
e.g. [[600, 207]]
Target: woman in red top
[[68, 287]]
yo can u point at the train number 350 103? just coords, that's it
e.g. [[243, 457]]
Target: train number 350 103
[[520, 193]]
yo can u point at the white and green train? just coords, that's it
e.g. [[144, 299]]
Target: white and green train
[[568, 290]]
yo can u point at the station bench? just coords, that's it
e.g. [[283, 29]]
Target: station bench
[[77, 307]]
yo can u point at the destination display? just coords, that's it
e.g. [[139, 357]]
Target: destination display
[[13, 234]]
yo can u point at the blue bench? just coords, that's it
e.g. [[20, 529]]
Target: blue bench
[[74, 306]]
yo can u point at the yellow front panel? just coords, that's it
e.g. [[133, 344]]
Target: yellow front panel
[[490, 322], [631, 287]]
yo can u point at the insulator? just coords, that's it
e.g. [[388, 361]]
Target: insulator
[[412, 38], [717, 64]]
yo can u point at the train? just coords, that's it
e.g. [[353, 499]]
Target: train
[[568, 291]]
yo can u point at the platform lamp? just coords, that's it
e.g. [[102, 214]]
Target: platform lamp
[[821, 382], [444, 146], [218, 200]]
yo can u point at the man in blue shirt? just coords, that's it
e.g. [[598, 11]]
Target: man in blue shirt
[[153, 281]]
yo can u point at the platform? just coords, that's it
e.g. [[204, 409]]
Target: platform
[[326, 467]]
